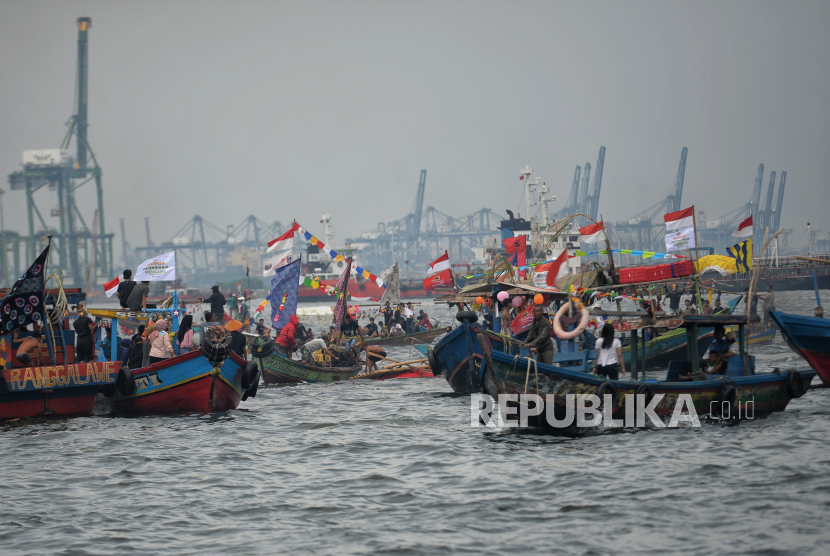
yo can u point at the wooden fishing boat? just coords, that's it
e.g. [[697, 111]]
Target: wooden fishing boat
[[278, 369], [187, 383], [767, 392], [809, 337], [424, 337], [667, 347], [52, 390], [386, 374]]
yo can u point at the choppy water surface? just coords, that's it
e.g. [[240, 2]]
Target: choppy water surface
[[394, 468]]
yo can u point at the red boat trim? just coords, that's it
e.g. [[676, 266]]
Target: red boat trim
[[183, 382], [167, 363]]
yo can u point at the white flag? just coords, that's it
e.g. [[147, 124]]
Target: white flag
[[157, 269], [276, 260], [684, 239]]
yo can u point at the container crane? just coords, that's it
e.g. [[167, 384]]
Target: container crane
[[592, 207], [766, 213], [776, 224]]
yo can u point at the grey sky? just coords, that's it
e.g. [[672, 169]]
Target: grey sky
[[289, 109]]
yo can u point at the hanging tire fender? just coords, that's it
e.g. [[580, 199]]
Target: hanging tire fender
[[606, 388], [249, 374], [433, 363], [729, 394], [646, 391], [466, 316], [261, 351], [124, 382], [795, 384]]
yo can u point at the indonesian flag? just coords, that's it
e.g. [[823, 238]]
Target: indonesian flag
[[681, 219], [522, 321], [112, 286], [744, 228], [592, 233], [557, 270], [439, 280], [285, 241], [516, 244], [440, 264]]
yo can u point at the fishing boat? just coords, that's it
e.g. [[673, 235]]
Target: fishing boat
[[792, 274], [277, 369], [187, 383], [739, 386], [424, 337], [809, 337]]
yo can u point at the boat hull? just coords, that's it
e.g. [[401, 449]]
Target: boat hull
[[184, 384], [809, 337], [280, 370], [54, 390], [782, 281], [669, 347], [503, 374]]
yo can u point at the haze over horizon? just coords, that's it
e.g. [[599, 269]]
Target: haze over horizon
[[290, 109]]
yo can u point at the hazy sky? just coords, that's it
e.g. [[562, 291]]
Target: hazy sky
[[289, 109]]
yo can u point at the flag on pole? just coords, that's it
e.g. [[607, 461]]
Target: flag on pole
[[392, 279], [112, 286], [680, 220], [439, 264], [558, 270], [342, 286], [742, 253], [285, 241], [744, 228], [592, 233], [439, 280], [684, 239], [23, 305], [284, 286], [157, 269], [517, 244]]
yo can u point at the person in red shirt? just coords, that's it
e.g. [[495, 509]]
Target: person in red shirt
[[286, 343]]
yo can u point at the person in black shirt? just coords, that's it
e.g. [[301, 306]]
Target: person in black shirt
[[84, 327], [260, 328], [135, 356], [217, 304], [237, 339], [351, 331], [125, 288], [372, 328], [387, 314]]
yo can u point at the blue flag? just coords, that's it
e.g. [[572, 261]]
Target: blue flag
[[284, 286]]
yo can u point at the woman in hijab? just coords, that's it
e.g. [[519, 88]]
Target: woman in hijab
[[184, 336], [160, 346]]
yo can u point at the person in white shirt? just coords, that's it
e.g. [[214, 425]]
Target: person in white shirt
[[609, 360], [409, 320]]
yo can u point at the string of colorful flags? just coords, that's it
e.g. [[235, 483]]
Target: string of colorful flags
[[318, 285], [643, 254], [336, 256]]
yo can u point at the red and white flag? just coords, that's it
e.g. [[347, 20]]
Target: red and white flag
[[558, 270], [112, 286], [681, 219], [744, 228], [285, 241], [592, 233], [441, 279], [523, 320], [440, 264]]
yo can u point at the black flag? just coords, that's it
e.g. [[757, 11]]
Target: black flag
[[24, 303]]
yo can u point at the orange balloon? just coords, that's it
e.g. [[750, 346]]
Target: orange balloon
[[479, 300], [488, 302], [538, 299]]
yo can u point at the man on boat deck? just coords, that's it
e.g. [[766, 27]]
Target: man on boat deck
[[232, 306], [316, 353], [423, 323], [371, 328], [674, 298], [723, 358], [125, 288], [217, 304], [718, 307], [409, 316], [238, 344], [707, 309], [387, 314], [538, 337], [769, 303], [84, 327], [689, 309], [27, 344], [137, 300], [286, 342], [351, 331]]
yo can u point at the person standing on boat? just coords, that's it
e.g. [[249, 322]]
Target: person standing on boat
[[769, 303], [409, 316], [707, 309], [373, 355], [609, 362], [243, 313], [232, 306], [538, 337], [238, 344], [135, 357], [160, 346], [217, 304], [505, 320], [387, 314], [185, 335], [125, 288], [286, 340], [205, 325], [350, 330], [674, 298], [84, 346]]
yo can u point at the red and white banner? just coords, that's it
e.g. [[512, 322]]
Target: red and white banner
[[441, 279], [440, 264], [557, 270], [592, 233], [523, 321], [112, 286], [285, 241], [681, 219], [744, 228], [516, 244]]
